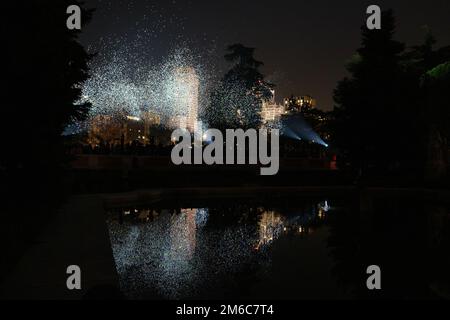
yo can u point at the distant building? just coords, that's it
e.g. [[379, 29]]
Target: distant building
[[299, 103], [186, 98], [104, 129], [271, 111], [149, 127], [117, 130]]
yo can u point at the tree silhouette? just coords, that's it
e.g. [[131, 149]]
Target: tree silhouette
[[236, 103], [43, 68], [418, 105], [436, 82], [366, 100], [381, 112]]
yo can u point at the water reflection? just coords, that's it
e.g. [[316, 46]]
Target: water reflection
[[273, 224], [270, 226], [288, 249], [183, 229]]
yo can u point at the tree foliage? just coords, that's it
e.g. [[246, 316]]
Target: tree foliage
[[381, 108], [236, 103], [45, 66]]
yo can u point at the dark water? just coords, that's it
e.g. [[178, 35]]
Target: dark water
[[282, 248]]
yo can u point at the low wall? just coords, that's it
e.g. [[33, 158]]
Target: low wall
[[111, 162]]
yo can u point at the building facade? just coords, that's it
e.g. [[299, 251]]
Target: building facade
[[299, 103], [271, 111], [149, 127]]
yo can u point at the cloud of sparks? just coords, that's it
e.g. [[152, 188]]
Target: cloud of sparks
[[125, 81]]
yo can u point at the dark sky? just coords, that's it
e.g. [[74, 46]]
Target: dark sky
[[304, 44]]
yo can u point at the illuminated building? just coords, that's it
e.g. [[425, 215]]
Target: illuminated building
[[112, 130], [134, 130], [271, 111], [299, 103], [104, 129], [186, 98]]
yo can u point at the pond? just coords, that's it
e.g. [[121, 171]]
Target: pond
[[281, 247]]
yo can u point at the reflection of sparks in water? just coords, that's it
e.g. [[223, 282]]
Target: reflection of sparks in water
[[166, 246], [173, 255], [201, 217], [323, 207], [182, 236], [272, 224]]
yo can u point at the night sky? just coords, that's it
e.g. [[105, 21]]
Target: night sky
[[304, 44]]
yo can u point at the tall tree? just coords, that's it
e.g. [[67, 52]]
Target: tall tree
[[436, 83], [237, 101], [388, 111], [366, 109], [418, 109], [45, 66]]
